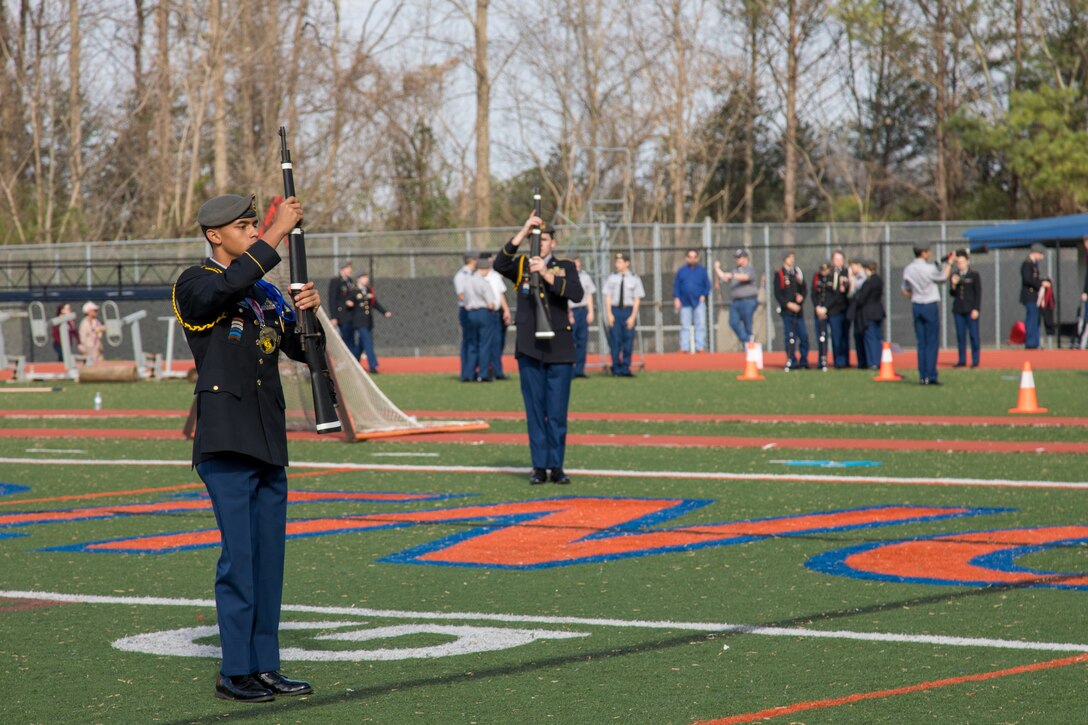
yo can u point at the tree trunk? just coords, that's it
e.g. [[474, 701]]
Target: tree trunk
[[218, 62], [481, 186], [75, 119], [793, 50], [163, 136]]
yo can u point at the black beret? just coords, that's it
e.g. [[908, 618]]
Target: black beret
[[222, 210]]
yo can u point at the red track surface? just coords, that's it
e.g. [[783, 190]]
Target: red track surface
[[905, 361], [1011, 359], [1010, 420], [1006, 420], [668, 441]]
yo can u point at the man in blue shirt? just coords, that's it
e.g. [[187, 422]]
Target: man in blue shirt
[[689, 292]]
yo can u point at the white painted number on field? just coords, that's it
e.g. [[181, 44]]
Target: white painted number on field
[[466, 640]]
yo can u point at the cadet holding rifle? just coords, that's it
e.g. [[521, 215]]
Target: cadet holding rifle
[[545, 363], [236, 324]]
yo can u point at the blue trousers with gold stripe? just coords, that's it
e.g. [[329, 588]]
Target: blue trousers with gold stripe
[[249, 499]]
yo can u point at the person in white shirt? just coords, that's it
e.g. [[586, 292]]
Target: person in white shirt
[[623, 293], [480, 302], [459, 280], [501, 319], [920, 279]]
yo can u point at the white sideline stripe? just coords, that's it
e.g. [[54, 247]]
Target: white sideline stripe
[[709, 627], [694, 475]]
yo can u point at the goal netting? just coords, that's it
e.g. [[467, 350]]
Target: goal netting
[[365, 411]]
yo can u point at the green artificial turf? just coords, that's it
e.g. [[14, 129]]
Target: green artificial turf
[[622, 673]]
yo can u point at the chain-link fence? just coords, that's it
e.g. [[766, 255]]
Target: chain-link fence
[[412, 273]]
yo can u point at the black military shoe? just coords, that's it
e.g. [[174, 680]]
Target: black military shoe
[[241, 688], [558, 476], [539, 476], [280, 685]]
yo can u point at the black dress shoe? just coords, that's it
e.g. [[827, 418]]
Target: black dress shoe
[[558, 476], [280, 685], [539, 476], [960, 365], [242, 688]]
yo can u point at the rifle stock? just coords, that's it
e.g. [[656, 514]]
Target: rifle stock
[[313, 340]]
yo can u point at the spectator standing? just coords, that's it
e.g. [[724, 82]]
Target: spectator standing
[[966, 299], [366, 304], [71, 329], [480, 300], [459, 279], [91, 330], [581, 317], [623, 293], [858, 275], [744, 295], [869, 314], [836, 302], [342, 293], [501, 319], [1031, 283], [790, 292], [920, 279], [689, 292]]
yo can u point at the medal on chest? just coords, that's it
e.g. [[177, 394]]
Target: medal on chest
[[268, 340]]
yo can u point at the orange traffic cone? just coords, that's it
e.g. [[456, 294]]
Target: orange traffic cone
[[887, 367], [1027, 402], [751, 364]]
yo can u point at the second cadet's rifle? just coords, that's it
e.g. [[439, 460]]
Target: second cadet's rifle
[[544, 329]]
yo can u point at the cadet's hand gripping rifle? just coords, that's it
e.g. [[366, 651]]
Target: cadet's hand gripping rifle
[[313, 340], [544, 329]]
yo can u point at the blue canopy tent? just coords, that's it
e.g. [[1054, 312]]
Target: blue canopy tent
[[1052, 232]]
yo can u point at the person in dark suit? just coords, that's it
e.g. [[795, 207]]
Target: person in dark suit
[[790, 292], [869, 313], [966, 302], [546, 366], [342, 292], [236, 324], [366, 304], [1031, 281]]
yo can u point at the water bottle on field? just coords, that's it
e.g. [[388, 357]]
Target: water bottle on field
[[98, 401]]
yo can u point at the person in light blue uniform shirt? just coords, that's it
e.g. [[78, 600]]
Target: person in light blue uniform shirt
[[690, 289], [920, 280], [623, 293]]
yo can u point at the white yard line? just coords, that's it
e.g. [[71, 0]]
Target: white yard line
[[708, 627], [607, 473]]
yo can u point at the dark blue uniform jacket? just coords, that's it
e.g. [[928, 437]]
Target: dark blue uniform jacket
[[567, 286], [239, 397]]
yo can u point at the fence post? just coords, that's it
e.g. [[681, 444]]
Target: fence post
[[886, 265], [944, 289], [997, 298], [711, 318], [659, 315], [90, 263], [769, 294]]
